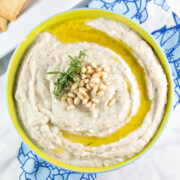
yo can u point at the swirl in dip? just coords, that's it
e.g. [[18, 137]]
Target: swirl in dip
[[109, 134]]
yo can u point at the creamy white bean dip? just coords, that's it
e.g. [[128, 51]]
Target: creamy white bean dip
[[45, 118]]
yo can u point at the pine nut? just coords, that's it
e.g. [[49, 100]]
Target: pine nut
[[91, 84], [102, 86], [93, 65], [95, 88], [74, 86], [100, 93], [83, 89], [77, 101], [75, 91], [82, 83], [88, 87], [80, 96], [104, 75], [82, 92], [96, 75], [86, 81], [106, 83], [95, 80], [92, 71], [88, 76], [64, 97], [83, 70], [83, 76], [98, 69], [86, 96], [89, 70], [106, 69], [70, 94], [95, 100], [111, 102], [84, 101], [92, 108], [93, 93], [88, 105], [70, 100], [70, 107]]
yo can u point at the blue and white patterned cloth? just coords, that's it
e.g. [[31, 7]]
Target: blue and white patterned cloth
[[158, 19], [35, 168]]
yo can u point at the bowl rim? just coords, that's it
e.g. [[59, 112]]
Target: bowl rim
[[51, 21]]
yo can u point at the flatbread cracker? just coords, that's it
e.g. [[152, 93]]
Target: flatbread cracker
[[3, 24], [9, 9]]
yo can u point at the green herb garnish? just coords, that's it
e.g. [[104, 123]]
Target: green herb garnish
[[70, 75]]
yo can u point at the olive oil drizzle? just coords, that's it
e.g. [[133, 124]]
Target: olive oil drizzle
[[76, 30]]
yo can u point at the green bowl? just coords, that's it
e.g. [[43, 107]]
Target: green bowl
[[81, 13]]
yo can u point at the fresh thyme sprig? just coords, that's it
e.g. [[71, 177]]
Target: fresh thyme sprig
[[71, 74]]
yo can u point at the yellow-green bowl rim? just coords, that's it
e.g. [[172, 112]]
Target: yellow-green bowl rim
[[78, 13]]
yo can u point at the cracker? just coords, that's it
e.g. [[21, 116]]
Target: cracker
[[3, 24], [9, 9]]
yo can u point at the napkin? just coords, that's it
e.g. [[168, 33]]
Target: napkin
[[156, 17]]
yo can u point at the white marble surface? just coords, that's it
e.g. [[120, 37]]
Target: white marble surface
[[161, 162]]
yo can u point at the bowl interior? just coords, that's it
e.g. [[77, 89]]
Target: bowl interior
[[57, 19]]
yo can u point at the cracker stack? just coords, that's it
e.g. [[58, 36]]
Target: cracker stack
[[9, 10]]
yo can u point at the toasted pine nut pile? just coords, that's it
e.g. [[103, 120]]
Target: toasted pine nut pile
[[91, 84]]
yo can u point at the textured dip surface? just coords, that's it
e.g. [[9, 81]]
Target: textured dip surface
[[109, 134]]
